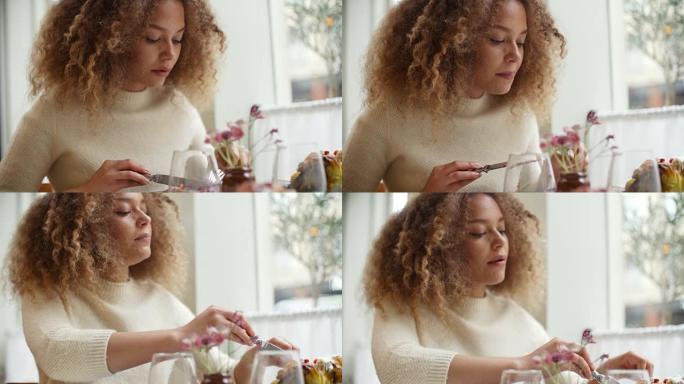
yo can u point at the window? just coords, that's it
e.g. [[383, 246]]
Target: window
[[314, 51], [307, 248], [653, 247], [654, 31]]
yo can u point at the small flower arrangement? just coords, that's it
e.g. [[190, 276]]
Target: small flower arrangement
[[551, 363], [206, 349], [230, 153], [568, 151]]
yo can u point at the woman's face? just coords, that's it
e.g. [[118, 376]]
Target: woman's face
[[156, 52], [500, 52], [486, 243], [131, 228]]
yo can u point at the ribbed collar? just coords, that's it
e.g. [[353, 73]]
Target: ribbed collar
[[468, 107], [136, 101], [115, 291]]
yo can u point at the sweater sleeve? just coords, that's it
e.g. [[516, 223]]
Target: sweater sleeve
[[61, 351], [31, 153], [398, 356], [365, 154]]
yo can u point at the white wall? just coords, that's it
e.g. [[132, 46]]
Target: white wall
[[583, 277], [12, 207], [225, 263], [247, 76], [586, 79], [364, 216]]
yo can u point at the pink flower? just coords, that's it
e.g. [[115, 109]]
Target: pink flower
[[555, 141], [227, 135], [255, 112], [562, 140], [592, 118], [543, 145], [217, 137], [207, 140], [573, 137], [237, 132]]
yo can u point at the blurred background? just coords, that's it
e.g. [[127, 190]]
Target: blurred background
[[276, 257], [625, 60], [284, 55], [614, 262]]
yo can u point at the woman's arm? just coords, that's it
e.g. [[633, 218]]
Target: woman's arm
[[365, 161], [29, 157]]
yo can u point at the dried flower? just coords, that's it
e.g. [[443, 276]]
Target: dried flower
[[230, 153], [206, 349]]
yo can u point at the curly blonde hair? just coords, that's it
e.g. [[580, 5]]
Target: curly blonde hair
[[84, 46], [417, 259], [63, 243], [425, 50]]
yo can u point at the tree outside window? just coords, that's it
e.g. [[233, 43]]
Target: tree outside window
[[307, 233], [315, 48], [654, 255], [655, 52]]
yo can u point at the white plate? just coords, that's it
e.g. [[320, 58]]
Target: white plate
[[151, 187]]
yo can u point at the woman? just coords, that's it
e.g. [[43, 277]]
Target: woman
[[445, 277], [111, 79], [95, 275], [452, 85]]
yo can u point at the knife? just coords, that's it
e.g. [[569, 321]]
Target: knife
[[265, 345], [174, 181], [491, 167]]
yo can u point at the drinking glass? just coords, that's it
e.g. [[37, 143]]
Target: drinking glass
[[529, 172], [628, 376], [614, 172], [172, 368], [301, 167], [195, 170], [282, 365], [513, 376]]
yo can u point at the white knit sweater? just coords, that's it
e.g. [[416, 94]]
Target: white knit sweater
[[408, 349], [401, 147], [68, 145], [70, 344]]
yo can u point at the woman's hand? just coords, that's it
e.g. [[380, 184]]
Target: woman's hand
[[243, 369], [452, 177], [240, 330], [629, 360], [114, 175], [576, 357]]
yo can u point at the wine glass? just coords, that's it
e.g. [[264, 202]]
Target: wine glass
[[630, 171], [195, 170], [172, 368], [529, 172], [628, 376], [270, 366], [513, 376]]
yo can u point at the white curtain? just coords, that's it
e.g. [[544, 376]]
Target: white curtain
[[639, 135], [658, 130], [664, 346], [304, 128], [316, 333]]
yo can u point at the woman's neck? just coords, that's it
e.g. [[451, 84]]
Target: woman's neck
[[118, 274]]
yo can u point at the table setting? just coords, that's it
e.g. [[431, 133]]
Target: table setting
[[227, 163]]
